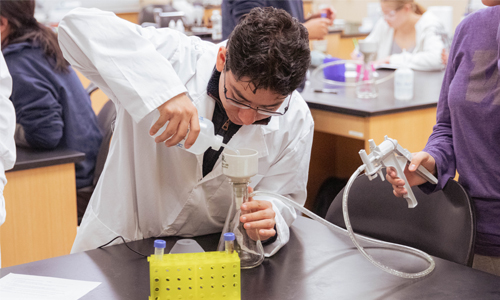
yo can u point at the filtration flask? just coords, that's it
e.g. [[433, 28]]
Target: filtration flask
[[366, 87], [239, 168]]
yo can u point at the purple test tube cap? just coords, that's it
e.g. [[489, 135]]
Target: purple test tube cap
[[160, 244], [229, 236]]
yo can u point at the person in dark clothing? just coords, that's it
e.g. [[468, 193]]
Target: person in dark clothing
[[234, 10], [52, 107]]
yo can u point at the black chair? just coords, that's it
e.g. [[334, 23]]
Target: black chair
[[105, 121], [442, 224]]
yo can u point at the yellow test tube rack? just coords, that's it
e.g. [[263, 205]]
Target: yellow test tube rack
[[193, 276]]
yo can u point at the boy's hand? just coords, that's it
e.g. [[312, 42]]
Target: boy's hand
[[258, 217], [182, 116]]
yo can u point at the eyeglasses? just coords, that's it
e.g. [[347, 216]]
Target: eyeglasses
[[392, 13], [262, 111]]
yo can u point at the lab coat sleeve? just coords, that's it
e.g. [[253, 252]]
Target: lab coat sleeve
[[291, 171], [7, 127], [38, 111], [131, 64], [428, 58]]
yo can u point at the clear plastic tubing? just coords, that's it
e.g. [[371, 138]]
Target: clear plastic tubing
[[159, 248], [353, 236], [229, 242]]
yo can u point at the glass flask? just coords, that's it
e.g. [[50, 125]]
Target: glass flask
[[251, 252], [366, 87]]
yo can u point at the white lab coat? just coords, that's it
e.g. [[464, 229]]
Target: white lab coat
[[149, 190], [7, 128], [427, 53]]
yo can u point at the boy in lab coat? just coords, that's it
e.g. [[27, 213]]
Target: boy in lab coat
[[246, 87]]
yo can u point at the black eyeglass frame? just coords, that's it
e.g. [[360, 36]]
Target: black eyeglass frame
[[261, 111]]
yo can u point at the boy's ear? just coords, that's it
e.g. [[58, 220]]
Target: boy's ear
[[221, 58]]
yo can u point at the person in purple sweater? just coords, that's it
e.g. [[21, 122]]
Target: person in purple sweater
[[465, 137]]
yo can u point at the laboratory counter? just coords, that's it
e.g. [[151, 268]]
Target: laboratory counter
[[348, 30], [316, 264], [427, 87], [31, 158], [40, 200]]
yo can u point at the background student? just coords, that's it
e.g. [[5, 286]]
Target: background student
[[234, 10], [406, 25], [465, 137], [7, 127], [52, 107]]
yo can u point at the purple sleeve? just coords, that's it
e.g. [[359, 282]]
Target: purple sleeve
[[440, 143]]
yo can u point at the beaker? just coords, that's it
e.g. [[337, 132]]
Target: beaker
[[239, 168], [366, 87]]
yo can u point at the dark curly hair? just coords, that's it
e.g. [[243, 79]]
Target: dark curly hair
[[271, 49]]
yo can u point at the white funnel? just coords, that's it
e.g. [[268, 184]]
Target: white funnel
[[240, 167]]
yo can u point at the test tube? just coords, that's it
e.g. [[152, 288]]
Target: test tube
[[229, 241], [159, 246]]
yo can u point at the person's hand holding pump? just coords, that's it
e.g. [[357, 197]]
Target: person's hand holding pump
[[182, 116], [419, 158], [258, 217]]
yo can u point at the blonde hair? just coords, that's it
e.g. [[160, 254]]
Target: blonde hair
[[417, 8]]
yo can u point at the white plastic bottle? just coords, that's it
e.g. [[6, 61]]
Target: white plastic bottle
[[216, 25], [171, 24], [403, 82], [179, 26], [206, 139]]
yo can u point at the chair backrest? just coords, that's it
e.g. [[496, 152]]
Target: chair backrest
[[442, 224], [105, 120]]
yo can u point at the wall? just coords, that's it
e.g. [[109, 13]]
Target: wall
[[117, 6], [355, 10]]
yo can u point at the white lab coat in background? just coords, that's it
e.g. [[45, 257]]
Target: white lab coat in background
[[7, 128], [149, 190], [427, 53]]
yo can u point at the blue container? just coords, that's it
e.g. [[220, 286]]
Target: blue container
[[336, 72]]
